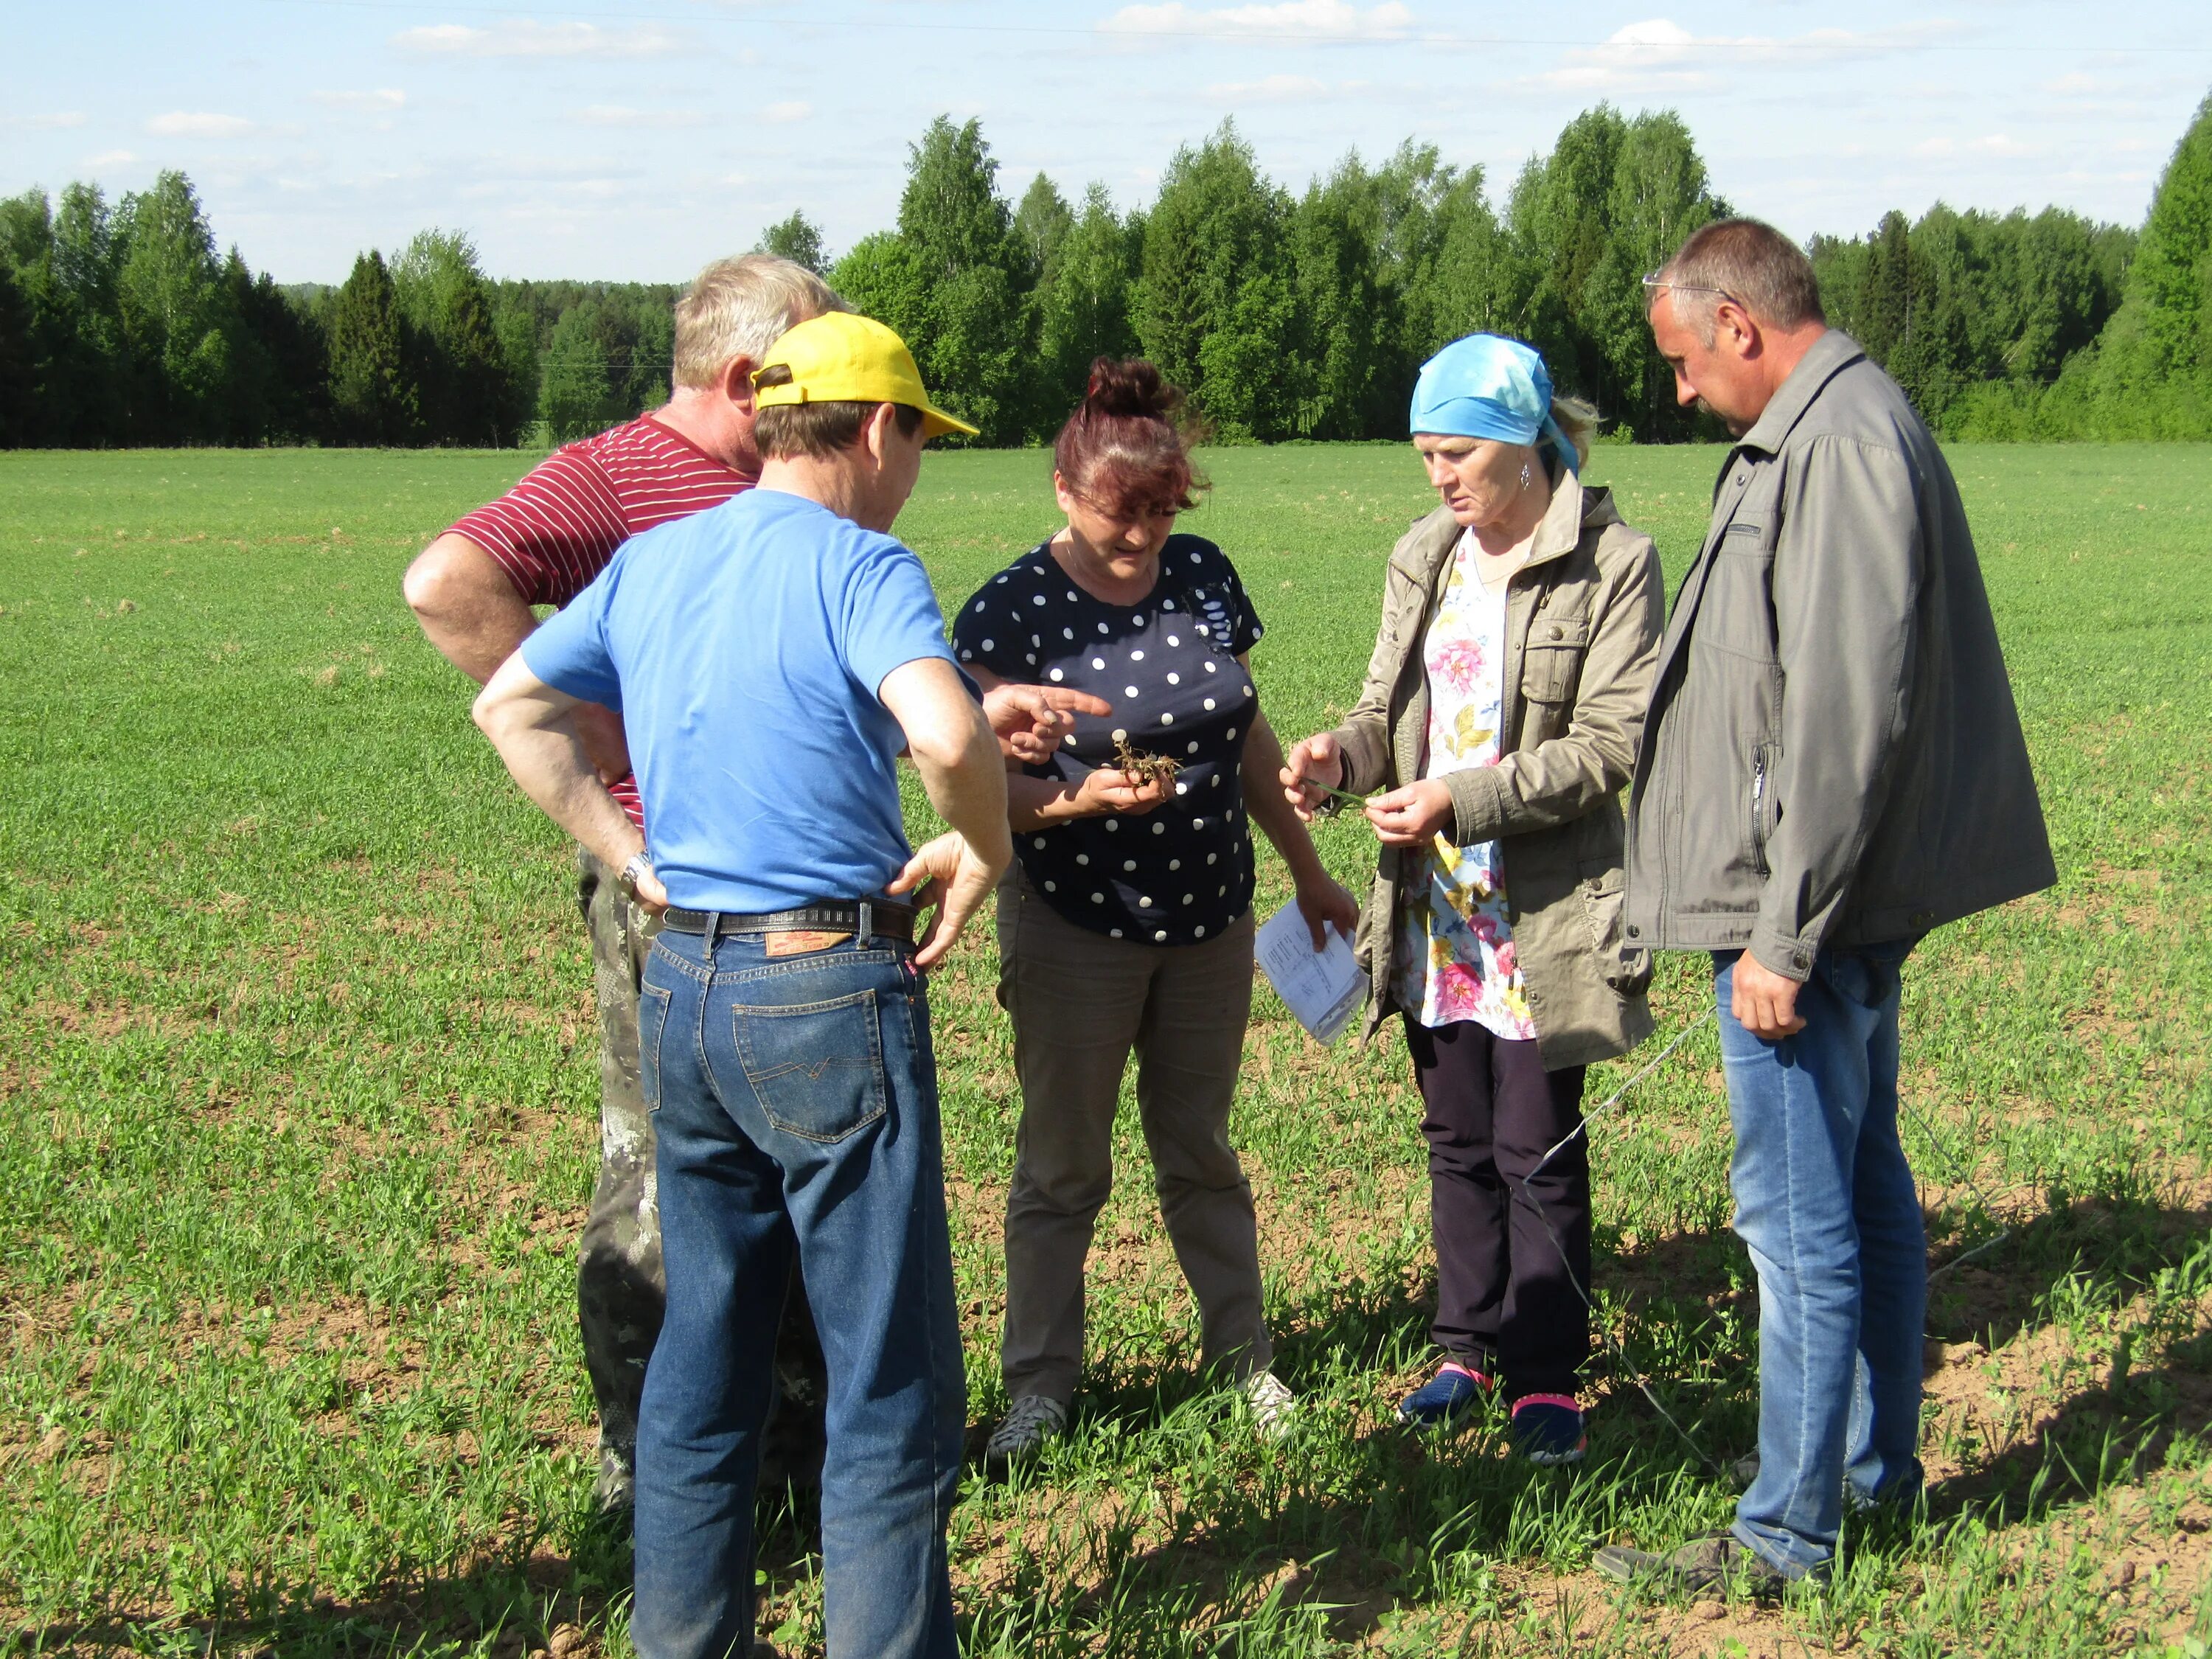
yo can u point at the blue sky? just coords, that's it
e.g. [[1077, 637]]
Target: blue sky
[[638, 140]]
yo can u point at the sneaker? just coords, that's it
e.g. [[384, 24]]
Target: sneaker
[[1703, 1566], [1031, 1420], [1547, 1430], [1272, 1402], [1446, 1400]]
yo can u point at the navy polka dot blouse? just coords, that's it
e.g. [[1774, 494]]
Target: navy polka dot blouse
[[1181, 872]]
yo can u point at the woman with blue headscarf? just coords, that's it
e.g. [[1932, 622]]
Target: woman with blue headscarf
[[1500, 719]]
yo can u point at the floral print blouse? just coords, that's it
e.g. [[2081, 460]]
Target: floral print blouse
[[1454, 958]]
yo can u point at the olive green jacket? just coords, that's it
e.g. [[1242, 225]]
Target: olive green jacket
[[1582, 621]]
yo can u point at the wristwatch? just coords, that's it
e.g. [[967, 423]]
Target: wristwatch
[[640, 866]]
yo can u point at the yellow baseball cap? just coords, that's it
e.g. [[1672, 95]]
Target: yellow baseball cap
[[842, 358]]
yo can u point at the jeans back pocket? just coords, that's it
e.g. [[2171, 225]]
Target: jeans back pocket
[[816, 1067]]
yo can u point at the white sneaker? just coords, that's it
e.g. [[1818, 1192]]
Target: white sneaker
[[1031, 1420], [1272, 1402]]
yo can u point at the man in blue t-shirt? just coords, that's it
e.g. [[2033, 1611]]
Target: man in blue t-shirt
[[771, 658]]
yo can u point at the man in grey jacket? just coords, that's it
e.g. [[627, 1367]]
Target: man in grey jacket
[[1831, 766]]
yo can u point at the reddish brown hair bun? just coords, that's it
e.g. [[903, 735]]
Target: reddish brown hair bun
[[1126, 448]]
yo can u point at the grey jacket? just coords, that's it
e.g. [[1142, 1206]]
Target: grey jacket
[[1832, 756], [1582, 625]]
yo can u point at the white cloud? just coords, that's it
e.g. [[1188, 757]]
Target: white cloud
[[45, 123], [376, 100], [2077, 84], [1274, 89], [621, 115], [1659, 54], [1291, 20], [110, 158], [526, 37], [199, 124], [781, 115], [1999, 144]]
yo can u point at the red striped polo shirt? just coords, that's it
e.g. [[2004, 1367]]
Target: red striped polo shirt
[[556, 529]]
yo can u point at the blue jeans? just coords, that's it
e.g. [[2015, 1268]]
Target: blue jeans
[[1826, 1201], [795, 1104]]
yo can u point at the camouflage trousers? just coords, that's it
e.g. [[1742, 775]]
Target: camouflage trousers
[[621, 1291]]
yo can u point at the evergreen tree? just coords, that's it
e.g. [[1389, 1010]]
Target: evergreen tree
[[1042, 223], [1083, 306], [1660, 194], [18, 424], [371, 401], [2170, 284], [80, 361], [517, 328], [1345, 311], [1468, 284], [1215, 306], [978, 322], [170, 293], [456, 363], [2154, 374], [883, 277], [797, 239], [1614, 200], [27, 230], [652, 363], [1558, 218], [1976, 316], [577, 395], [283, 350]]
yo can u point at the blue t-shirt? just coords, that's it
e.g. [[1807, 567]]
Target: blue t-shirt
[[1181, 872], [744, 647]]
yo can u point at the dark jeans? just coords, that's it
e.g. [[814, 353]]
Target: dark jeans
[[795, 1101], [1826, 1203], [1504, 1301]]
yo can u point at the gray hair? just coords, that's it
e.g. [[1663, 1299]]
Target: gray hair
[[740, 307], [1578, 423], [1748, 262]]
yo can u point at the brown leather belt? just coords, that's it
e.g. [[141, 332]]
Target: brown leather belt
[[870, 919]]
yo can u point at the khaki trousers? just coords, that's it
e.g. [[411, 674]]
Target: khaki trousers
[[1080, 1002]]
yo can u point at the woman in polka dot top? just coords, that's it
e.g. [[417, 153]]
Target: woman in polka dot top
[[1126, 924]]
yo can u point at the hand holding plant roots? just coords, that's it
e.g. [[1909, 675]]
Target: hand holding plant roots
[[1143, 769]]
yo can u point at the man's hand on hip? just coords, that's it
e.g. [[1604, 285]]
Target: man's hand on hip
[[1764, 1002], [600, 731], [947, 874]]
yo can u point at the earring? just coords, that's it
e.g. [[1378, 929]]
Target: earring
[[1527, 476]]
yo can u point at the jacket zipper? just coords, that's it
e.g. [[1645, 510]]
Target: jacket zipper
[[1758, 806]]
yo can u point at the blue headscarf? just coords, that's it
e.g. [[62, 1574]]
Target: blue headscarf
[[1488, 387]]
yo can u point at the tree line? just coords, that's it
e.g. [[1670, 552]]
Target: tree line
[[1287, 315]]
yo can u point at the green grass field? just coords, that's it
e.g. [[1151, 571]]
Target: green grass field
[[297, 1120]]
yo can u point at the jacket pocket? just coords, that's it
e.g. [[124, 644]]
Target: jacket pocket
[[1551, 658], [818, 1067], [1602, 899], [1763, 814], [1735, 607]]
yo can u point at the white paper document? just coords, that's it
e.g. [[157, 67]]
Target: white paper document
[[1324, 989]]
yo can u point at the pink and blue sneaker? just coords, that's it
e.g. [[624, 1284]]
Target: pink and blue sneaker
[[1446, 1400], [1549, 1429]]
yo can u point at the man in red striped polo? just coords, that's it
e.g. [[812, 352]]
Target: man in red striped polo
[[542, 544], [472, 589]]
